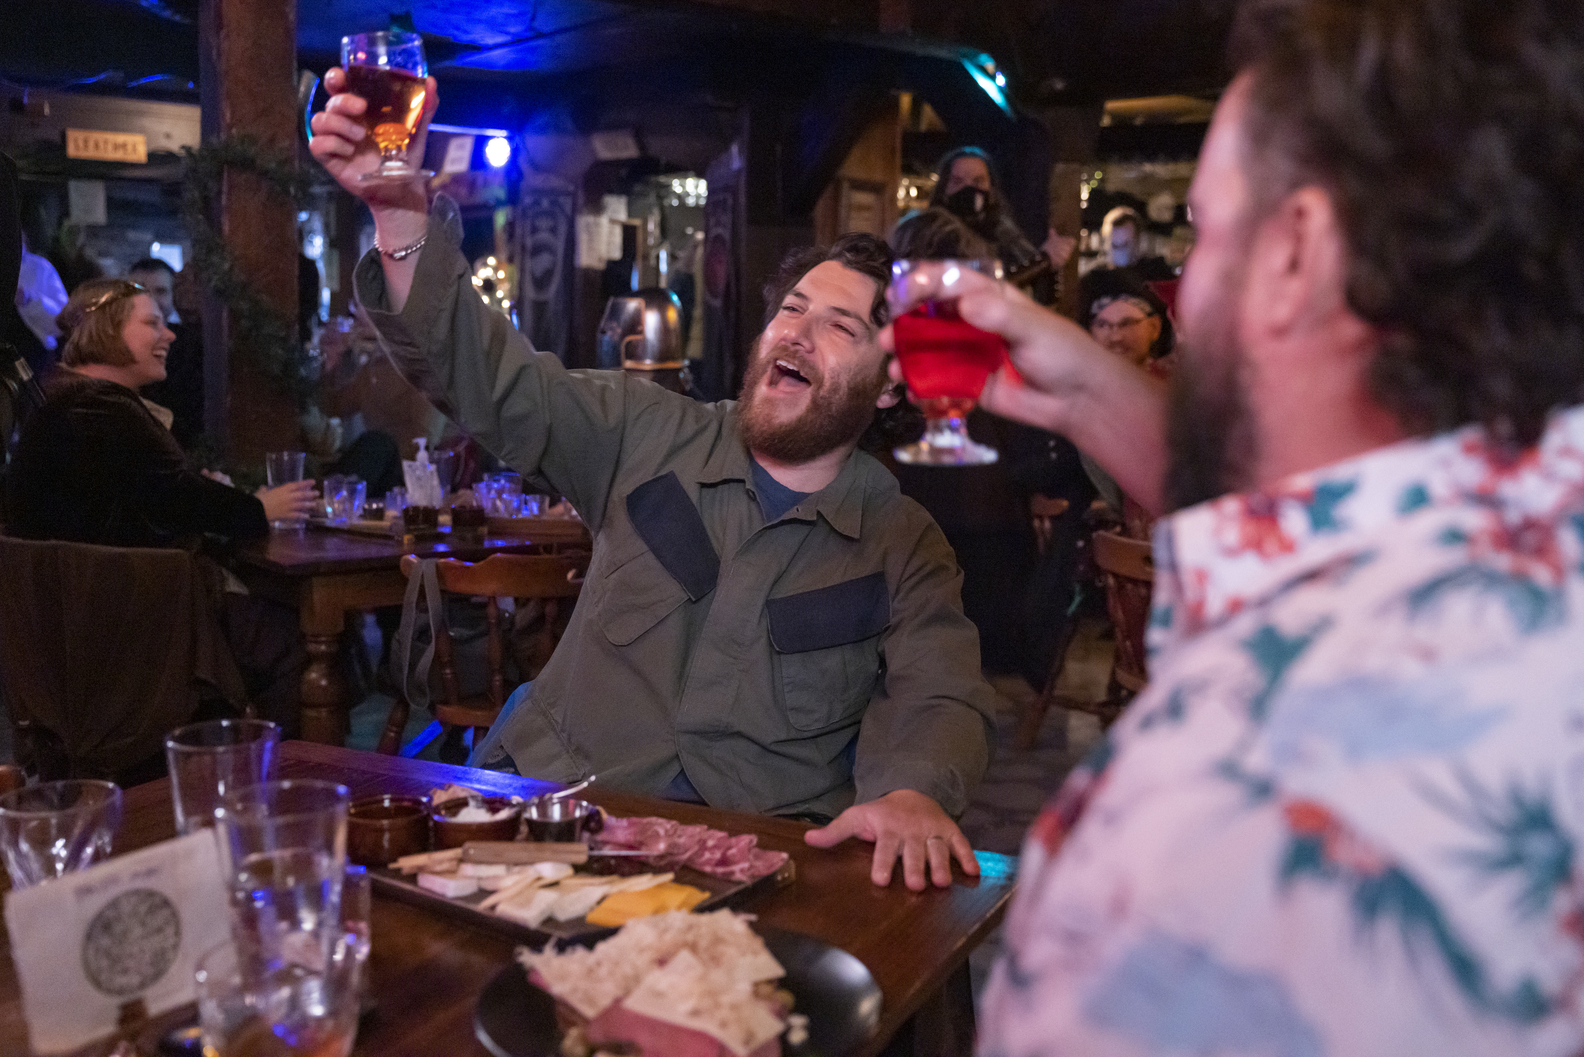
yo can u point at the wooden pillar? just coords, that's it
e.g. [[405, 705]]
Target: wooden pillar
[[247, 71], [1074, 136]]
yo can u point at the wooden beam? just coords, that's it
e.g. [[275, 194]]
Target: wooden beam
[[248, 57]]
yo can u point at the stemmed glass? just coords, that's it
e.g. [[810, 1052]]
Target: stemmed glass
[[389, 71], [945, 362]]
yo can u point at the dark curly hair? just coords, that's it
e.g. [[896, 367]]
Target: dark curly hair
[[1450, 135], [866, 255]]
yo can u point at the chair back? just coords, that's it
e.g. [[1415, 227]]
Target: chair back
[[1128, 571], [555, 580], [103, 650]]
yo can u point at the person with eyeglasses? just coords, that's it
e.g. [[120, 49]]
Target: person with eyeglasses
[[1126, 317]]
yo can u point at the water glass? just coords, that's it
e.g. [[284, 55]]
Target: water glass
[[285, 849], [244, 1010], [395, 502], [284, 467], [209, 760], [344, 498], [54, 828]]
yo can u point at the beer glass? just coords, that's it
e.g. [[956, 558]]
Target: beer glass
[[946, 363], [387, 69], [209, 760], [284, 467]]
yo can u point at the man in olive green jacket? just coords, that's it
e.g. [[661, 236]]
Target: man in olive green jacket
[[768, 625]]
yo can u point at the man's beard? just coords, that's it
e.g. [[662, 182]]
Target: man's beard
[[836, 414], [1210, 435]]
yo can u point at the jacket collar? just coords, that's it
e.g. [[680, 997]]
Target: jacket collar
[[840, 503]]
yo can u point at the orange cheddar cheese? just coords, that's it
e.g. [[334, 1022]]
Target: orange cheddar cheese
[[618, 908]]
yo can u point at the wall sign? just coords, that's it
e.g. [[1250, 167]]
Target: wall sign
[[88, 145]]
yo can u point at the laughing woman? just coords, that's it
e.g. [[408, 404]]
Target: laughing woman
[[97, 464]]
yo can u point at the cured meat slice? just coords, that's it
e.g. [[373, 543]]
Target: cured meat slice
[[668, 844]]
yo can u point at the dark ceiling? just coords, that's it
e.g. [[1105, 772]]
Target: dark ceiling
[[1052, 50]]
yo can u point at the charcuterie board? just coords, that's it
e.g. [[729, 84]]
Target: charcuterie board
[[723, 893]]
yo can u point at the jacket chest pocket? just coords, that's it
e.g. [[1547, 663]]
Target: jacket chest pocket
[[634, 597], [827, 646]]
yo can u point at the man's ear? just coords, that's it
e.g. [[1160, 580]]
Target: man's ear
[[1296, 261]]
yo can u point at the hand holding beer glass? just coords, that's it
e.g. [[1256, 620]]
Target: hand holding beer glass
[[945, 361], [387, 70]]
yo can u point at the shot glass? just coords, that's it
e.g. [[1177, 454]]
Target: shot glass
[[284, 467], [285, 849], [54, 828], [209, 760]]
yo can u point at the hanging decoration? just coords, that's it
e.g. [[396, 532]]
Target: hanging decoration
[[264, 335]]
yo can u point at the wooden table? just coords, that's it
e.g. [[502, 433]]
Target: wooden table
[[327, 573], [428, 970]]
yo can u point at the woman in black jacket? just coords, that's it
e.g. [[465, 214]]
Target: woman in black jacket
[[97, 463]]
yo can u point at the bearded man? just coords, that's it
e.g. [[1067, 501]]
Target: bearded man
[[1345, 818], [767, 624]]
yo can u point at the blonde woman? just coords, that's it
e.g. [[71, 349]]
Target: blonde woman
[[97, 463]]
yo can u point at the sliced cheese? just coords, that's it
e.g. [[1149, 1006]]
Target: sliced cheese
[[482, 869], [622, 907], [578, 902], [552, 871], [450, 886], [530, 911]]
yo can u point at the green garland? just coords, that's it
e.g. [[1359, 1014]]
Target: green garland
[[266, 337]]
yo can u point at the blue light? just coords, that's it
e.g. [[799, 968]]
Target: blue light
[[977, 70], [1000, 79], [497, 152]]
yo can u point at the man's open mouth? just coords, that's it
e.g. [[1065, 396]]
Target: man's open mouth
[[783, 373]]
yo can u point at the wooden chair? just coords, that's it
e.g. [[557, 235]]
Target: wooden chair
[[1128, 572], [554, 579]]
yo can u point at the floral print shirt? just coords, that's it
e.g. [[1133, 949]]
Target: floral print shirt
[[1342, 819]]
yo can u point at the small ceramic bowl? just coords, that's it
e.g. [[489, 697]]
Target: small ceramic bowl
[[452, 831], [566, 820], [381, 829]]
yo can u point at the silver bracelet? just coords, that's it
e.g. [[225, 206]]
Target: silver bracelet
[[405, 251]]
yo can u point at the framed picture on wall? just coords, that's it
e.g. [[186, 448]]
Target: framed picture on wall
[[861, 207]]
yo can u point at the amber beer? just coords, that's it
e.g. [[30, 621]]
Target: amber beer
[[395, 103]]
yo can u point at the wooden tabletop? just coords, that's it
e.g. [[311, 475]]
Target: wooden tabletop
[[313, 551], [428, 970]]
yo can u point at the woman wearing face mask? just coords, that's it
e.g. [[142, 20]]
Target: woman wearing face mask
[[966, 186]]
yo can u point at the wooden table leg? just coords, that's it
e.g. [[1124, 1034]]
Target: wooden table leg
[[943, 1026], [324, 691]]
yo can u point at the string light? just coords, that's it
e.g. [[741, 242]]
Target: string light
[[493, 281]]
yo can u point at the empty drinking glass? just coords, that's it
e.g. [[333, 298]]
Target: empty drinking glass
[[344, 498], [209, 760], [284, 467], [53, 828], [395, 502]]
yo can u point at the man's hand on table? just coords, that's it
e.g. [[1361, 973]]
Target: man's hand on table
[[905, 823]]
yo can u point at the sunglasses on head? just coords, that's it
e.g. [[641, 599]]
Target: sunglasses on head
[[127, 288]]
